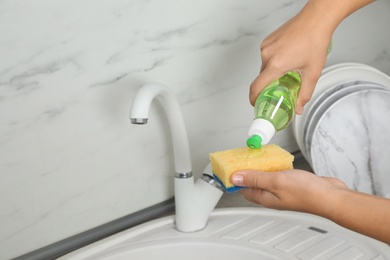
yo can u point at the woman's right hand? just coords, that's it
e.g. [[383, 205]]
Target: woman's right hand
[[301, 45], [298, 46]]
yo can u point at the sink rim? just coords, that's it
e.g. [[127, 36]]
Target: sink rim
[[168, 249], [168, 224]]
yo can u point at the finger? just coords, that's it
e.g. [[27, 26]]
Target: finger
[[254, 179], [262, 197], [309, 81], [251, 194], [262, 67], [261, 81]]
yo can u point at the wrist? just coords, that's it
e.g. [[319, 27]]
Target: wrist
[[331, 13], [333, 202], [322, 16]]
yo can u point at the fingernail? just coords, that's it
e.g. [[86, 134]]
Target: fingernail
[[237, 179]]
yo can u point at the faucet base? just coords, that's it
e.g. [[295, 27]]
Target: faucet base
[[194, 203]]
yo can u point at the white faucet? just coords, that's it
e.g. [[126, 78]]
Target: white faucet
[[193, 201]]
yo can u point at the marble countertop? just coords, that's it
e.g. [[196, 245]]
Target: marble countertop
[[235, 199]]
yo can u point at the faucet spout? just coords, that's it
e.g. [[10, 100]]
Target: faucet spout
[[193, 202], [139, 114]]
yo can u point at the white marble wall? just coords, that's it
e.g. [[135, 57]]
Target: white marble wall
[[70, 159]]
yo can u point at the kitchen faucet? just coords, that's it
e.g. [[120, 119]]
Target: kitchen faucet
[[194, 201]]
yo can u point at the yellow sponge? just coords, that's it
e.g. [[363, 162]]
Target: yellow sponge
[[269, 158]]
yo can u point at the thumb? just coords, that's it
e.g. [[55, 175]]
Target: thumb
[[253, 179], [309, 81]]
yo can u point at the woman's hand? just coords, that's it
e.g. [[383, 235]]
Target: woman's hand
[[296, 190], [301, 44], [294, 46]]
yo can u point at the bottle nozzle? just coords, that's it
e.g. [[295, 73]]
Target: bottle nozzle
[[260, 133], [254, 142]]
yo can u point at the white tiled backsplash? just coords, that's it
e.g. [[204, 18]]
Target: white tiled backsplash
[[70, 159]]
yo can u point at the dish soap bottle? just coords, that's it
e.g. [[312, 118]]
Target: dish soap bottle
[[274, 109]]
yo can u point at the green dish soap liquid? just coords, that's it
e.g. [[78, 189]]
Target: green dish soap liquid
[[274, 109]]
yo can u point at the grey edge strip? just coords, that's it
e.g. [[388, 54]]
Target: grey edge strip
[[70, 244]]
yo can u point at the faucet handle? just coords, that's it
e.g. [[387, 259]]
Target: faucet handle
[[211, 181]]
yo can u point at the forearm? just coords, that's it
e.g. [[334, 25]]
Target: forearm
[[363, 213], [328, 14]]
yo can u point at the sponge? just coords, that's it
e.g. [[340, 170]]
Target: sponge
[[269, 158]]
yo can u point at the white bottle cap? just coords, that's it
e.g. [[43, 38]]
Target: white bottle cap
[[262, 128]]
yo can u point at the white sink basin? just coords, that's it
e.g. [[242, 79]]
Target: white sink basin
[[238, 233], [188, 250]]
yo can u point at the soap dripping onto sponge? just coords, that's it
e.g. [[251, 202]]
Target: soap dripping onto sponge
[[270, 158]]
